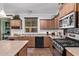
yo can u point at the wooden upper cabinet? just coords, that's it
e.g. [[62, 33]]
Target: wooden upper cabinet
[[66, 9], [55, 22], [77, 7], [15, 24], [49, 24], [45, 24]]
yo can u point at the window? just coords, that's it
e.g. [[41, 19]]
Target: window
[[31, 24]]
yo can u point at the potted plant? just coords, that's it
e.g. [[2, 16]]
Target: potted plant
[[16, 17]]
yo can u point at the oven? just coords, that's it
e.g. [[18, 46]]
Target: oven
[[59, 45], [58, 50]]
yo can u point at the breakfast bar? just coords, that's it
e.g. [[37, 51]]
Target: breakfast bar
[[13, 48]]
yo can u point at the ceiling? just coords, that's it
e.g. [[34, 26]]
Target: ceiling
[[26, 8]]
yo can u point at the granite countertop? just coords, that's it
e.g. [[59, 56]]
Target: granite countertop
[[53, 37], [73, 50], [11, 48]]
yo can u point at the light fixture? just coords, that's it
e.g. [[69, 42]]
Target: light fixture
[[2, 13], [29, 12]]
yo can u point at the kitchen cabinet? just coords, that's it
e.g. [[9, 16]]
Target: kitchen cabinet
[[45, 24], [46, 42], [68, 53], [55, 22], [15, 24], [31, 43], [68, 21], [23, 51], [66, 9], [51, 44], [31, 39], [49, 24], [13, 48]]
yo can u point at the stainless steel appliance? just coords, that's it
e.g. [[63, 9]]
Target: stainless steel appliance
[[68, 21], [39, 42], [59, 45]]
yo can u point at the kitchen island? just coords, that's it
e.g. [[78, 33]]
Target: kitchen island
[[13, 48]]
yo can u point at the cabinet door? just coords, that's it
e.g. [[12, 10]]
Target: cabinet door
[[56, 23], [15, 24], [31, 42], [51, 45], [43, 24], [53, 23], [49, 24], [46, 42], [23, 51], [67, 8]]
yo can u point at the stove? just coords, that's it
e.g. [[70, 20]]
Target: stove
[[61, 44]]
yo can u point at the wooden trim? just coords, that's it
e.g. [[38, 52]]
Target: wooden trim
[[67, 14]]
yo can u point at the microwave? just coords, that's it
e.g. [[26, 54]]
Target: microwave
[[68, 21]]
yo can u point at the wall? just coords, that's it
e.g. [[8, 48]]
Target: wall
[[22, 31]]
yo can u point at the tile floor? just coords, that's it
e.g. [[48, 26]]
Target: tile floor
[[38, 52]]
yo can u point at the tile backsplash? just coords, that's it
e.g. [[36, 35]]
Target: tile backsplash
[[73, 30], [73, 33]]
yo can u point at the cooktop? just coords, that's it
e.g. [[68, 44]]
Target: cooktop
[[67, 42]]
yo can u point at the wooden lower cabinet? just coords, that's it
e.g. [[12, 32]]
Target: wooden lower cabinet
[[46, 42], [31, 40], [31, 43], [51, 45], [23, 51], [68, 53]]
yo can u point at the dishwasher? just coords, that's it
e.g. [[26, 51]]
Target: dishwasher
[[39, 42]]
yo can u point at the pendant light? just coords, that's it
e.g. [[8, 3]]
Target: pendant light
[[2, 12]]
